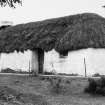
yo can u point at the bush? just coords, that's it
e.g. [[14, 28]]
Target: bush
[[8, 70], [21, 72], [73, 74], [96, 75], [96, 86], [56, 85], [68, 81], [91, 86], [101, 82], [49, 73], [47, 78]]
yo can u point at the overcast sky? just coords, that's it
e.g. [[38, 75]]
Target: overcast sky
[[36, 10]]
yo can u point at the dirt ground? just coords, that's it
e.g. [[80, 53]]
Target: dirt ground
[[25, 90]]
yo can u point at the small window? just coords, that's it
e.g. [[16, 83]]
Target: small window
[[63, 54]]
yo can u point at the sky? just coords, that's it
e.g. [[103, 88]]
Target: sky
[[37, 10]]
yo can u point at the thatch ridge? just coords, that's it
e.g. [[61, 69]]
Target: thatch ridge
[[62, 34]]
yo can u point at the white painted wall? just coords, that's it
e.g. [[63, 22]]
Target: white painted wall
[[74, 63], [15, 60]]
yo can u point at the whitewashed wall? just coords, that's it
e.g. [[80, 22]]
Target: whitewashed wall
[[74, 63], [15, 60]]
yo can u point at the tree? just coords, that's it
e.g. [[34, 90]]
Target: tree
[[103, 6], [10, 3]]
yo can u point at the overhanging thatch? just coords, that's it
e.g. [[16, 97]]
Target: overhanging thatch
[[62, 34]]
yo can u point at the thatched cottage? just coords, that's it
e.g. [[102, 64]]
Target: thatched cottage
[[62, 34]]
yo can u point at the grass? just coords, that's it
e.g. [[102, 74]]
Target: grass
[[23, 90]]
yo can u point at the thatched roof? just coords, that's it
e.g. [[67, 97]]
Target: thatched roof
[[62, 34]]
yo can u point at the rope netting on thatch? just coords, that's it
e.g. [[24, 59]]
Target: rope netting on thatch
[[62, 34]]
